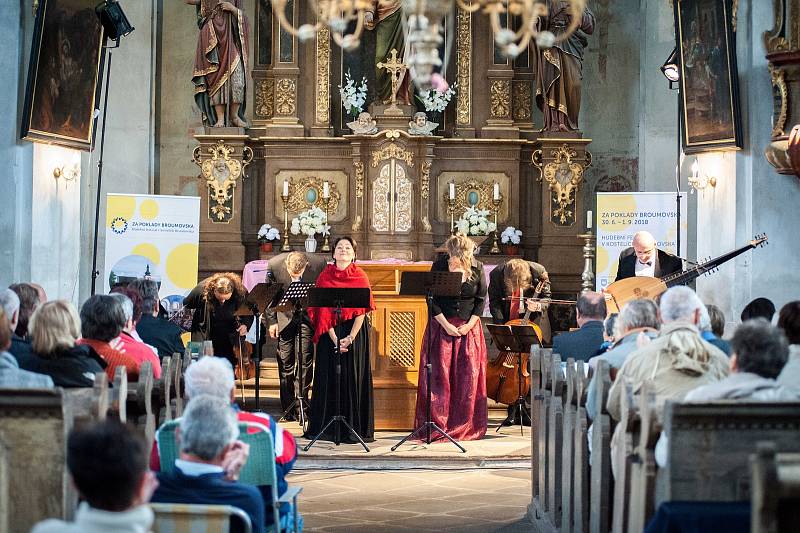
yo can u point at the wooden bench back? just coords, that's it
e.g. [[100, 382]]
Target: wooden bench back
[[775, 486]]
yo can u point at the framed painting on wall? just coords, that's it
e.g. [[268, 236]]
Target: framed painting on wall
[[64, 75], [709, 87]]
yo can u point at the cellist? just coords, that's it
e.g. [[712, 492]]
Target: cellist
[[517, 278]]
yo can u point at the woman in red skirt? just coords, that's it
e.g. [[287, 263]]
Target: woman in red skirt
[[455, 346]]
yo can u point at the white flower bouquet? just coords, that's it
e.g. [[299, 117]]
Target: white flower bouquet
[[310, 222], [475, 222], [353, 96], [267, 233], [434, 100], [510, 235]]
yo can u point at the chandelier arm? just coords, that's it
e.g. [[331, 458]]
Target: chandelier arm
[[469, 8], [577, 7], [356, 35]]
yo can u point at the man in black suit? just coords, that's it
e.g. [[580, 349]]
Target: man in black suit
[[584, 342], [644, 259], [287, 268]]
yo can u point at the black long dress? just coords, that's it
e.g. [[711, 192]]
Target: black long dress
[[357, 405]]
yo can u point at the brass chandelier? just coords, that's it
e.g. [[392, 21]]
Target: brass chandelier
[[336, 14]]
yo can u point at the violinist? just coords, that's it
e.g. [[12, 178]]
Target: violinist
[[512, 287], [215, 300]]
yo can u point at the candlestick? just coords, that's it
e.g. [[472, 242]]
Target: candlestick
[[285, 198], [326, 192], [451, 208], [587, 277], [452, 191], [589, 219], [326, 247], [495, 249], [496, 192]]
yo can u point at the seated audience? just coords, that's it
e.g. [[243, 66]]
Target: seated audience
[[712, 326], [213, 376], [639, 317], [759, 352], [759, 308], [108, 466], [208, 432], [55, 328], [138, 350], [27, 299], [675, 362], [102, 320], [608, 334], [153, 329], [583, 343], [11, 377], [789, 322]]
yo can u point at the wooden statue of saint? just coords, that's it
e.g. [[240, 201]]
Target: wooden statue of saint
[[220, 63], [558, 69], [386, 18]]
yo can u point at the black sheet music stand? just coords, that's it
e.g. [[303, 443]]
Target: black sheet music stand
[[430, 284], [517, 339], [338, 299], [295, 299], [255, 304]]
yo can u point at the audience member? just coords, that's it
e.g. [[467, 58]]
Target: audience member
[[675, 362], [138, 350], [639, 317], [39, 291], [108, 466], [213, 376], [608, 334], [789, 322], [11, 377], [759, 308], [20, 347], [584, 343], [55, 328], [712, 313], [153, 329], [102, 320], [28, 301], [208, 432]]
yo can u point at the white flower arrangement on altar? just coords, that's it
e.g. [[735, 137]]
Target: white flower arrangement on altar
[[310, 222], [353, 96], [434, 100], [510, 235], [267, 233], [475, 222]]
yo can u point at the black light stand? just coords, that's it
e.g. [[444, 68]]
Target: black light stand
[[430, 284], [672, 71]]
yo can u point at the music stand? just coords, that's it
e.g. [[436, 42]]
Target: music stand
[[338, 299], [255, 304], [517, 339], [294, 299], [430, 284]]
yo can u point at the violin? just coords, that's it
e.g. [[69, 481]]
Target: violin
[[243, 352], [503, 374]]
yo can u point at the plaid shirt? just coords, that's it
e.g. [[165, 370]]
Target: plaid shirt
[[11, 377]]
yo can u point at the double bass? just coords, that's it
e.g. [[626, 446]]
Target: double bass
[[503, 374]]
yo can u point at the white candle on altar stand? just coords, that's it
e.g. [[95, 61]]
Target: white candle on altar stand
[[588, 220], [496, 191], [285, 188], [325, 190], [452, 195]]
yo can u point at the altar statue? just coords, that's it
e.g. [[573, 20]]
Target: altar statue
[[558, 69], [420, 125], [220, 63], [363, 125], [386, 18]]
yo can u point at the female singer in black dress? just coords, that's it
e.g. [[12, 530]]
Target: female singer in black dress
[[352, 336]]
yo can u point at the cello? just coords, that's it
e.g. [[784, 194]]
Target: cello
[[503, 374]]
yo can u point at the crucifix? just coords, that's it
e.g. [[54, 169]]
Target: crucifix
[[396, 70]]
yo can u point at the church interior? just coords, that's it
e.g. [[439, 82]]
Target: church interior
[[388, 130]]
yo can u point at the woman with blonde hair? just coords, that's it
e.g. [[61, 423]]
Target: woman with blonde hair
[[455, 347], [54, 329]]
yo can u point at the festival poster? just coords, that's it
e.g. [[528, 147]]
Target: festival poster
[[153, 236], [620, 215]]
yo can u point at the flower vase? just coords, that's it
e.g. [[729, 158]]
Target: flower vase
[[311, 244], [266, 247], [511, 249]]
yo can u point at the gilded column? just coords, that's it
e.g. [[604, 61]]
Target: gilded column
[[464, 124], [322, 79], [285, 73]]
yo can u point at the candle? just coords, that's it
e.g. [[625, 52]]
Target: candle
[[452, 194], [326, 192], [588, 220], [496, 191], [285, 188]]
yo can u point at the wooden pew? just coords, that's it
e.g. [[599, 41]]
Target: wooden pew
[[568, 442], [177, 383], [600, 472], [712, 443], [623, 459], [119, 394], [540, 406], [642, 475], [775, 485], [580, 483], [555, 440], [162, 410], [535, 370], [139, 402]]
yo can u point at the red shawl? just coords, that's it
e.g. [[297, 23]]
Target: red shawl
[[352, 277]]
